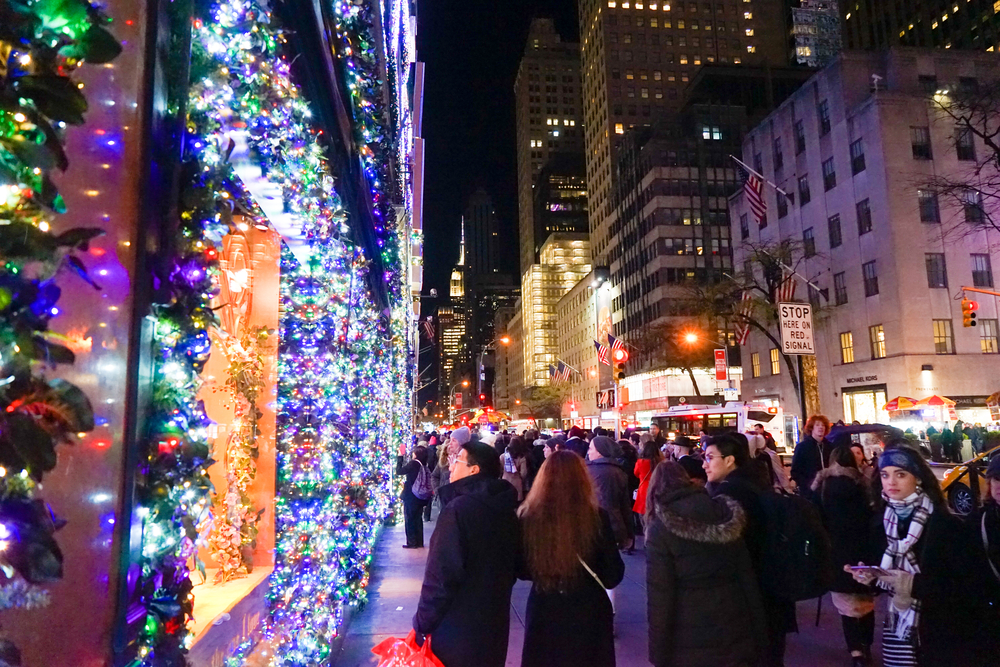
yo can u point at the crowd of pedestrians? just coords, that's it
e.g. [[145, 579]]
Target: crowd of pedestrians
[[732, 540]]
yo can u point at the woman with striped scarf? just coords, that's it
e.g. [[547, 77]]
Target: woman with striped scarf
[[928, 567]]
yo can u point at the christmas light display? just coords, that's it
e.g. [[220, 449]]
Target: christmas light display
[[42, 45], [234, 529]]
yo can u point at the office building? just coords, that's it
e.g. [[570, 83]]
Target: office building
[[815, 32], [576, 330], [452, 351], [965, 24], [637, 58], [560, 197], [857, 145], [549, 117], [564, 260], [482, 238], [503, 358]]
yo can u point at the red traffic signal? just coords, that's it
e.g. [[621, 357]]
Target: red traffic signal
[[482, 397], [620, 355], [969, 309]]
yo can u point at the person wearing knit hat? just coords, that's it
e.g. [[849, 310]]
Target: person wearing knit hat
[[931, 568], [611, 485]]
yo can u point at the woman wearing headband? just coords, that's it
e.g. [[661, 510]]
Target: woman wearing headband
[[930, 569]]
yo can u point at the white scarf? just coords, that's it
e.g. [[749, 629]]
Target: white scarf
[[899, 554]]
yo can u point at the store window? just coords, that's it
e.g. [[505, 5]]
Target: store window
[[988, 336], [865, 405], [876, 337], [775, 361], [944, 337], [846, 347]]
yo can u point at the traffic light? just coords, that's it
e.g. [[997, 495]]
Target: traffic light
[[969, 309], [620, 357]]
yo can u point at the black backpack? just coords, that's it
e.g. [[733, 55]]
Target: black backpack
[[796, 561]]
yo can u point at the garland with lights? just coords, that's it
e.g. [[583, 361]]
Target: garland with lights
[[234, 530], [41, 45]]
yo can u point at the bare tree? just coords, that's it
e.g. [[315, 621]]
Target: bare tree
[[974, 112], [663, 344], [545, 401]]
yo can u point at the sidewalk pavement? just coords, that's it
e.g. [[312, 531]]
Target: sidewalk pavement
[[397, 575]]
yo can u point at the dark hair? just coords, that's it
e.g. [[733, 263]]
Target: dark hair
[[517, 447], [733, 444], [844, 457], [486, 457], [651, 451], [926, 478], [420, 454], [634, 437], [667, 478]]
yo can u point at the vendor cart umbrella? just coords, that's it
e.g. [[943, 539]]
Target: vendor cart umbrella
[[900, 403], [935, 400], [994, 399]]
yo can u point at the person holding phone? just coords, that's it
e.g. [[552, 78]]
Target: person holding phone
[[928, 566]]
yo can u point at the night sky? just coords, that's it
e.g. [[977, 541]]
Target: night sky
[[471, 49]]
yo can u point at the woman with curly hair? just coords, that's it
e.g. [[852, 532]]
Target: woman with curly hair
[[811, 454]]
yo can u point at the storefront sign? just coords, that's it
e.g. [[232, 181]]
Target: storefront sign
[[861, 379], [721, 366], [795, 320], [606, 399]]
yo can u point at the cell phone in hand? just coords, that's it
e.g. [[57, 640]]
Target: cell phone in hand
[[874, 569]]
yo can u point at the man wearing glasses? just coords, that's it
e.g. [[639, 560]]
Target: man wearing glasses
[[465, 600]]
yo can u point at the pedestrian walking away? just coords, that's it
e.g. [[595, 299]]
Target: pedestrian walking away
[[465, 598], [413, 505], [611, 486], [845, 500], [704, 607], [571, 556], [929, 566]]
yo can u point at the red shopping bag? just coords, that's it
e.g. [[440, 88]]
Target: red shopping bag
[[395, 652]]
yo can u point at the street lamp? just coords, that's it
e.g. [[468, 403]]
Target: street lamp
[[451, 397], [504, 340], [692, 337]]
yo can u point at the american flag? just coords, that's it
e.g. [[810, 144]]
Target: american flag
[[786, 290], [742, 312], [616, 343], [753, 188], [552, 373], [562, 372], [602, 353], [428, 327]]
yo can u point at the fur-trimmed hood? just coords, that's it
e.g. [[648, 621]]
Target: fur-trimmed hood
[[836, 470], [692, 514]]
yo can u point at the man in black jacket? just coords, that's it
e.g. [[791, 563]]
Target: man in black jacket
[[465, 600]]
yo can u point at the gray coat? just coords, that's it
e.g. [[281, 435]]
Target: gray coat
[[613, 496], [704, 607]]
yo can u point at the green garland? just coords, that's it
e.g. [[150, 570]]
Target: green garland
[[42, 43]]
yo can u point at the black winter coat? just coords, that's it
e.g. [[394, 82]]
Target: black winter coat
[[844, 500], [704, 606], [409, 470], [991, 549], [950, 589], [613, 495], [809, 458], [745, 487], [465, 600], [575, 628]]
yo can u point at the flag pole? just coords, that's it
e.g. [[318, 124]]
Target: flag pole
[[758, 175], [793, 272]]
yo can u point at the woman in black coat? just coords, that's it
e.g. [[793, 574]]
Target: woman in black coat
[[731, 472], [984, 526], [811, 454], [571, 556], [412, 506], [704, 607], [845, 501], [931, 569]]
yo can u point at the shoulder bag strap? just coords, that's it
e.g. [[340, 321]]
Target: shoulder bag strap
[[986, 547], [592, 573]]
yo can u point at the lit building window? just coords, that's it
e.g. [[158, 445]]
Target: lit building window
[[612, 4], [751, 48], [775, 362], [748, 15], [749, 32], [847, 348], [619, 128]]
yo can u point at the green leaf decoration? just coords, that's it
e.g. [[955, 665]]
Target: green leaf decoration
[[55, 96], [79, 237], [62, 15], [77, 410], [30, 443], [31, 153], [97, 46]]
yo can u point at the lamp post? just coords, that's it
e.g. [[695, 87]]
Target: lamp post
[[451, 398], [692, 338], [492, 345]]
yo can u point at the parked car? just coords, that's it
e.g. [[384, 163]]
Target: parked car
[[962, 483]]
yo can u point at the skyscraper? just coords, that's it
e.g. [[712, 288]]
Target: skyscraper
[[639, 55], [549, 110], [958, 25], [482, 237], [816, 32]]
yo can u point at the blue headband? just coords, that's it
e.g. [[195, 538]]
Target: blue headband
[[900, 458]]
